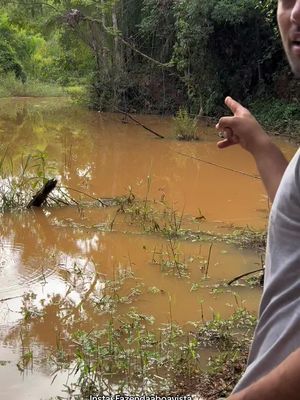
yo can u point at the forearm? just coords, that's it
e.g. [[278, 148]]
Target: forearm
[[271, 165], [242, 128], [281, 383]]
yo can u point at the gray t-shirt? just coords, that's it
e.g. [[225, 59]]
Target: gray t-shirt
[[277, 333]]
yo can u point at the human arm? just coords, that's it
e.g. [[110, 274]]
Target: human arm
[[282, 383], [242, 128]]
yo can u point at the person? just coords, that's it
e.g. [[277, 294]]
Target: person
[[273, 370]]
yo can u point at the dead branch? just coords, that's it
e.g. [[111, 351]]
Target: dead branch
[[247, 274], [85, 194], [139, 123], [41, 196]]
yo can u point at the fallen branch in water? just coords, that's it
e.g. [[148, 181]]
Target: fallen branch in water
[[219, 166], [139, 123], [41, 196], [85, 194], [246, 274]]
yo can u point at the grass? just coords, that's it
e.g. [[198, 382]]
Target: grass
[[79, 94], [247, 238], [128, 356], [128, 352], [10, 86], [151, 216], [159, 217], [19, 184], [170, 259], [185, 127]]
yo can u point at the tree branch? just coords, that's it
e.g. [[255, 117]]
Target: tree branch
[[139, 123], [131, 46], [246, 274]]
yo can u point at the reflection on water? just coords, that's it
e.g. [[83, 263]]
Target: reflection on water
[[65, 261]]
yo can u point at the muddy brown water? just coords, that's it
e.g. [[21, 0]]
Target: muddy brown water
[[66, 252]]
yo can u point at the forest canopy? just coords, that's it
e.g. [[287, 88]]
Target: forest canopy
[[149, 55]]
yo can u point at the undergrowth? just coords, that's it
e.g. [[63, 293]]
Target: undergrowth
[[185, 126], [278, 116], [10, 86], [128, 356], [129, 352]]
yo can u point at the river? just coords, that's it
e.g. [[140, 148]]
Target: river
[[68, 253]]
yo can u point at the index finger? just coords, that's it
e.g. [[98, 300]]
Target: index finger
[[235, 106]]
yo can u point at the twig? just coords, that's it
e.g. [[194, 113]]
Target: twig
[[219, 166], [246, 274], [208, 259], [87, 195], [139, 123], [58, 201], [67, 197]]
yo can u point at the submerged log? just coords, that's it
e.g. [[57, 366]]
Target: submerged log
[[41, 196]]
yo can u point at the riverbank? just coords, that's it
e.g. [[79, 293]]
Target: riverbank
[[278, 117], [10, 86]]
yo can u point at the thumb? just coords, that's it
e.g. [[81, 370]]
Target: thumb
[[234, 106]]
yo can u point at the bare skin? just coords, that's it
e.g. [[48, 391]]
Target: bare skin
[[242, 128], [282, 383], [288, 17]]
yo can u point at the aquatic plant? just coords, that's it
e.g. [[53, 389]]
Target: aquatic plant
[[17, 185], [185, 127], [128, 356], [247, 238], [170, 259], [129, 352], [152, 216]]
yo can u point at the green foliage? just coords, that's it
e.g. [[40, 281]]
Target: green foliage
[[79, 94], [233, 12], [277, 115], [28, 51], [129, 356], [185, 126], [151, 55], [16, 189], [247, 238], [11, 86], [11, 49]]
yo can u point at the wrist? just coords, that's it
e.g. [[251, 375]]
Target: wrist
[[262, 146]]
